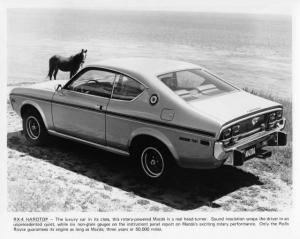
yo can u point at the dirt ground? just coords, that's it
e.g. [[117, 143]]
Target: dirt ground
[[67, 176]]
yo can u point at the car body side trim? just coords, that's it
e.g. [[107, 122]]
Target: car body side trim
[[80, 107], [140, 119], [61, 103], [30, 96], [149, 121], [99, 146]]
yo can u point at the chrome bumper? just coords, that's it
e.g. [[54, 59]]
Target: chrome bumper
[[235, 155]]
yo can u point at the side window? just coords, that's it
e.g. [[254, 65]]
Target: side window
[[94, 82], [169, 80], [127, 88]]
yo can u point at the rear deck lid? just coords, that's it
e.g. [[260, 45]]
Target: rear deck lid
[[233, 105]]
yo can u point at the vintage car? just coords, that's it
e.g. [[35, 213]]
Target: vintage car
[[161, 113]]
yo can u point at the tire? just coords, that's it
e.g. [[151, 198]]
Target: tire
[[34, 129], [154, 161]]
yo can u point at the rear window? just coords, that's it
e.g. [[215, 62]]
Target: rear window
[[195, 84]]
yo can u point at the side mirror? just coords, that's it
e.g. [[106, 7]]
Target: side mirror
[[57, 87]]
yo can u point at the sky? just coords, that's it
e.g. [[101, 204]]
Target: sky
[[237, 6]]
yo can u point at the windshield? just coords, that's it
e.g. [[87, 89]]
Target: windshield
[[195, 84]]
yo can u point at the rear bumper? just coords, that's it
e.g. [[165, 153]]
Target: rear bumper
[[252, 147], [239, 155]]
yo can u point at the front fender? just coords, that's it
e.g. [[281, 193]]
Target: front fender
[[39, 109]]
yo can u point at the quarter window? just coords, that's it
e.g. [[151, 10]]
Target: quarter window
[[195, 84], [94, 82], [126, 88]]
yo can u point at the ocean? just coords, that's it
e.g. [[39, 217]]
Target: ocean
[[253, 51]]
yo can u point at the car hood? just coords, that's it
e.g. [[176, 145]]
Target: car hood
[[48, 85], [230, 106]]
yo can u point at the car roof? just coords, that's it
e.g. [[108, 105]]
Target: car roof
[[145, 66]]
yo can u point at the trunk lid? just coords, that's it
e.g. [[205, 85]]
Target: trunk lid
[[227, 107]]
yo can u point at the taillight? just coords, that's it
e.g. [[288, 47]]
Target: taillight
[[271, 121], [272, 117], [236, 129], [227, 133], [278, 114]]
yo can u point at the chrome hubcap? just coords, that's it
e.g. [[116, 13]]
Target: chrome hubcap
[[152, 162], [33, 127]]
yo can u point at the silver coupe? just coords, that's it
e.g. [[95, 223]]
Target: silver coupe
[[161, 113]]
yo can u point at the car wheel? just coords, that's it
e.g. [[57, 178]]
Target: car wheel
[[34, 129], [155, 161]]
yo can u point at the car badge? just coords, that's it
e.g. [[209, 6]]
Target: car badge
[[255, 120], [153, 99]]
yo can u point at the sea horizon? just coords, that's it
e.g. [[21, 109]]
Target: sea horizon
[[248, 50]]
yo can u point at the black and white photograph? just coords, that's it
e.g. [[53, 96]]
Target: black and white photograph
[[170, 106]]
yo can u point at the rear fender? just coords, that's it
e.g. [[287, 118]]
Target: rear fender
[[155, 134]]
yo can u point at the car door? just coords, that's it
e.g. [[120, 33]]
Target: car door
[[123, 107], [79, 108]]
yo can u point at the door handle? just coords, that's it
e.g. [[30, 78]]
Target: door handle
[[98, 107]]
